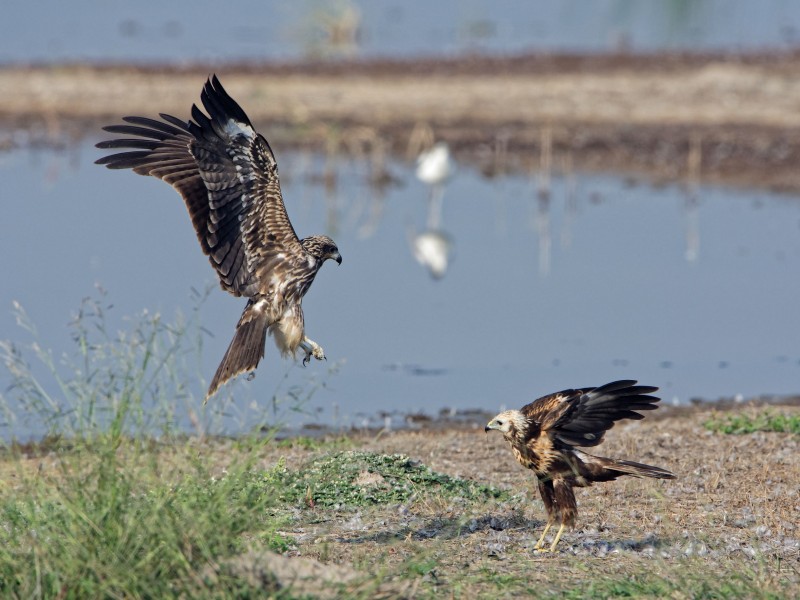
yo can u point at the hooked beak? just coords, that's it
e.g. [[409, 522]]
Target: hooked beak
[[338, 258], [489, 427]]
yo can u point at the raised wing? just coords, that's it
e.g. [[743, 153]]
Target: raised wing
[[581, 417], [228, 178]]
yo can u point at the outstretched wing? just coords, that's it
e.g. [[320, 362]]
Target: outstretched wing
[[581, 417], [228, 178]]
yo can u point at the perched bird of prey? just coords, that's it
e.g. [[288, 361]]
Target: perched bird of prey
[[544, 436], [228, 177]]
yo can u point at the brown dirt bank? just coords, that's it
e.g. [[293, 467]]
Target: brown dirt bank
[[694, 118], [730, 513]]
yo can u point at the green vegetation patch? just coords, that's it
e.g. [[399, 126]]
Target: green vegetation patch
[[694, 581], [764, 421], [357, 478], [111, 526]]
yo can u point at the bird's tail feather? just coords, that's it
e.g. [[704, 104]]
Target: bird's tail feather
[[629, 467], [246, 348]]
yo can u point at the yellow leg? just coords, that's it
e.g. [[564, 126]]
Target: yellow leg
[[540, 544], [558, 537]]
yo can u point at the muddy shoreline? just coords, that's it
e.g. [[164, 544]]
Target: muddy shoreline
[[689, 118]]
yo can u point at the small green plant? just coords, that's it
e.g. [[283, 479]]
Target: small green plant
[[316, 444], [766, 420], [356, 478], [114, 383], [688, 582]]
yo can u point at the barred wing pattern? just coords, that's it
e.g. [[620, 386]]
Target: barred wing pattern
[[545, 435], [228, 178], [581, 417]]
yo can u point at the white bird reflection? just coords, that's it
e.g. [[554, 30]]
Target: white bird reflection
[[433, 248]]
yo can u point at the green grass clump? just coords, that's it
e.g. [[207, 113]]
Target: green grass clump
[[115, 504], [746, 423], [107, 523], [357, 478]]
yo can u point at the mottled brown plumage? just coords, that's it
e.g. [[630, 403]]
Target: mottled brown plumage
[[544, 436], [228, 178]]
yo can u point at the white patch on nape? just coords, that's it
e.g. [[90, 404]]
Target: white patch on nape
[[234, 128]]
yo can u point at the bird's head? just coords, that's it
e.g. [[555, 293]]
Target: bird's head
[[509, 423], [322, 248]]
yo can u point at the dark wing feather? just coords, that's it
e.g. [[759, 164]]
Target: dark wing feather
[[228, 178], [539, 410], [581, 417]]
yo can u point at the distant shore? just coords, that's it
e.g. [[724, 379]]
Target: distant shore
[[690, 118]]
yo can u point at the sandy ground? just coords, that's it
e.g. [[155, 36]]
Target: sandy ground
[[732, 511], [695, 118], [731, 515]]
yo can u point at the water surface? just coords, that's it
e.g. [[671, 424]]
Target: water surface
[[205, 32], [695, 292]]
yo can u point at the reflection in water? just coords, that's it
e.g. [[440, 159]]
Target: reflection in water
[[542, 220], [691, 208], [542, 223], [433, 248], [570, 200], [694, 160], [619, 300], [545, 161]]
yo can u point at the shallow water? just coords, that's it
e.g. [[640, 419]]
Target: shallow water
[[190, 31], [693, 292]]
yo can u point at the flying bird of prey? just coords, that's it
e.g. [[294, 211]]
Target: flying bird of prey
[[545, 436], [228, 177]]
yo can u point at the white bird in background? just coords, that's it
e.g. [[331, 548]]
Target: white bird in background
[[434, 166], [433, 248]]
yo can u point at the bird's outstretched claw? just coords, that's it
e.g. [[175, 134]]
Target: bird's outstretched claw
[[312, 348]]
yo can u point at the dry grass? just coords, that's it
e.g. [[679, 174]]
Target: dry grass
[[726, 527]]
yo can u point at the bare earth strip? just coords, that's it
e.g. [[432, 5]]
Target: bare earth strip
[[696, 118], [727, 526], [732, 511]]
